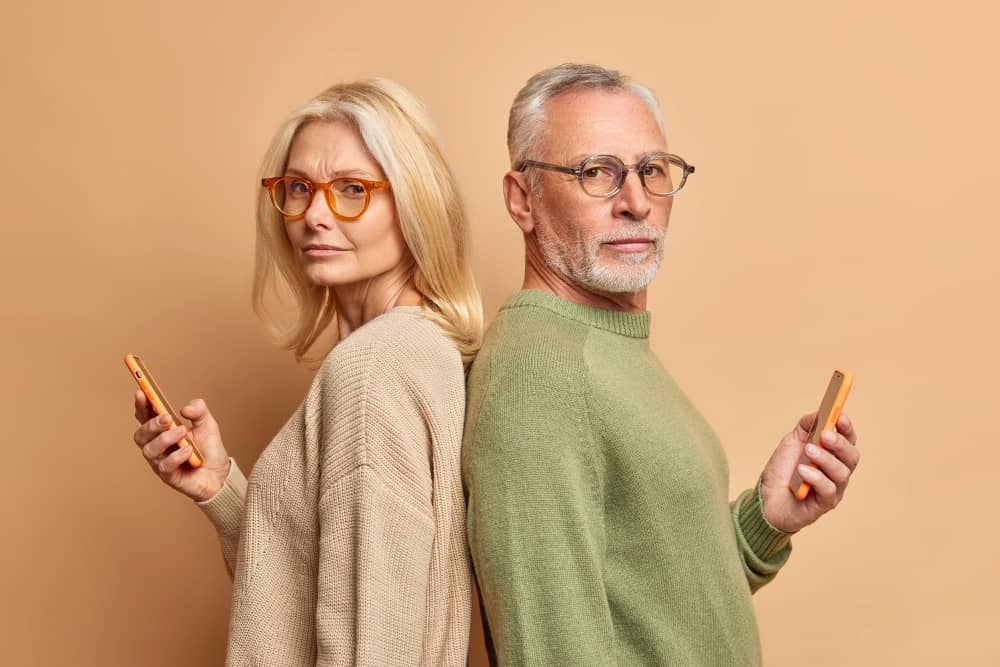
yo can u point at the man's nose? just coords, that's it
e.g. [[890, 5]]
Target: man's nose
[[632, 201]]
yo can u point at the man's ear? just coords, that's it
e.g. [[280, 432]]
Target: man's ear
[[517, 197]]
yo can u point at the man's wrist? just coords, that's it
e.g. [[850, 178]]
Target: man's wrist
[[764, 538]]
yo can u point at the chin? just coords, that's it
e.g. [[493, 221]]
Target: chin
[[325, 276], [621, 277]]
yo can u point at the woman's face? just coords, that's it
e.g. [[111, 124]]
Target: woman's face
[[334, 252]]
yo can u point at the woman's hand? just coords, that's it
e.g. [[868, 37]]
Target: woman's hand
[[155, 439]]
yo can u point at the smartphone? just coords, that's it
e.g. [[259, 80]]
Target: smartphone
[[161, 405], [829, 412]]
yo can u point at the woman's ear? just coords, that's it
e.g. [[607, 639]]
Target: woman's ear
[[517, 197]]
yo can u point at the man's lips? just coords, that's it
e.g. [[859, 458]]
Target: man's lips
[[631, 245]]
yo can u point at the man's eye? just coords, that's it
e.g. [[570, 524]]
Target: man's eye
[[653, 170], [598, 172]]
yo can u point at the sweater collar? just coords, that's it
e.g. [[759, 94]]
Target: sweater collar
[[633, 325]]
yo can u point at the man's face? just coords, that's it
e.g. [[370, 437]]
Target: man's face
[[612, 244]]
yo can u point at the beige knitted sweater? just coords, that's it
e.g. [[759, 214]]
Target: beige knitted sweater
[[348, 546]]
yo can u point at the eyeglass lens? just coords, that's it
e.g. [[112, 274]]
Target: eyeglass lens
[[602, 175], [346, 197]]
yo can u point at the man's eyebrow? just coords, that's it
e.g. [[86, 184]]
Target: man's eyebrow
[[576, 160]]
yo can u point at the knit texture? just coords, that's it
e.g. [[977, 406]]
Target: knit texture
[[348, 543], [599, 519]]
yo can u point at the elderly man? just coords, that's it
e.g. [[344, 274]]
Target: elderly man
[[599, 520]]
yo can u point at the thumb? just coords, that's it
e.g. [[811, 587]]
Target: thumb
[[805, 425], [197, 411]]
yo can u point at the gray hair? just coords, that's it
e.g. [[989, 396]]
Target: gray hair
[[527, 111]]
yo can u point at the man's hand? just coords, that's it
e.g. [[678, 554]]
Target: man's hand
[[835, 462]]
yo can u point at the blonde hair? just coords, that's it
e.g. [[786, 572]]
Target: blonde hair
[[394, 126]]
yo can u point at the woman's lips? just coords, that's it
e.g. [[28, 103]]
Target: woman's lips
[[322, 250]]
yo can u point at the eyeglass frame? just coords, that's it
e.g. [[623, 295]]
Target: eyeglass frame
[[578, 171], [368, 185]]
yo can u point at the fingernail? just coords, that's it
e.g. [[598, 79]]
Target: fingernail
[[812, 450], [163, 420], [805, 470], [829, 437]]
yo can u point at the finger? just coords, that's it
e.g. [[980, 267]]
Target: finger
[[805, 425], [846, 428], [151, 429], [197, 411], [154, 449], [169, 464], [831, 466], [143, 410], [842, 448], [824, 487]]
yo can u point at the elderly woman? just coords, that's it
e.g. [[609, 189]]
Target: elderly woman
[[347, 544]]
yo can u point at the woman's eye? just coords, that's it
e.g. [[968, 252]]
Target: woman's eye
[[350, 189], [298, 188]]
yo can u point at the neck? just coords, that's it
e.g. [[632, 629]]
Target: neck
[[538, 275], [361, 302]]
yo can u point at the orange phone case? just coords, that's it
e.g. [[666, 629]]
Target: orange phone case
[[826, 419], [161, 405]]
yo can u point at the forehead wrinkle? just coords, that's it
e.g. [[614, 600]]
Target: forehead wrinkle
[[324, 157], [325, 165], [337, 173], [599, 123]]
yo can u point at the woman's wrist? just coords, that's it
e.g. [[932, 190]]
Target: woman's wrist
[[210, 491]]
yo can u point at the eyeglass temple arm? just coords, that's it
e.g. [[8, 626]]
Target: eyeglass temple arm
[[552, 167], [688, 168]]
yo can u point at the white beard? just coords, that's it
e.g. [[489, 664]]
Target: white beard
[[579, 259]]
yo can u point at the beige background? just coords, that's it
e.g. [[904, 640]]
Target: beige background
[[843, 213]]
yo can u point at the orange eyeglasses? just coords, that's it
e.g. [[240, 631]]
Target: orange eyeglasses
[[347, 197]]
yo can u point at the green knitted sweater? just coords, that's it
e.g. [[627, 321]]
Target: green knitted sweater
[[599, 520]]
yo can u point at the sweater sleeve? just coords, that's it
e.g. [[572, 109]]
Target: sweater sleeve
[[376, 526], [535, 517], [225, 510], [764, 549]]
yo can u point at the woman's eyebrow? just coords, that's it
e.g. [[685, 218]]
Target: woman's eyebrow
[[292, 171]]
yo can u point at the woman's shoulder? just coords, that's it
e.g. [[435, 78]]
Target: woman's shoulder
[[403, 342]]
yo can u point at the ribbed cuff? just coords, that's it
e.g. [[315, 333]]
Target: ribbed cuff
[[764, 539], [225, 508]]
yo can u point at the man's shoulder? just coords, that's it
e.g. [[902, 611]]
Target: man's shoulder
[[527, 388], [527, 340]]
